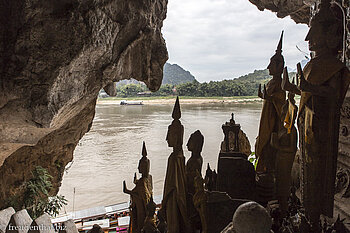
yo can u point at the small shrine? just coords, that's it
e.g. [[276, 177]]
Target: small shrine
[[236, 175]]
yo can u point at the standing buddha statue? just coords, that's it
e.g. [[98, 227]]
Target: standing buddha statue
[[274, 98], [174, 195], [285, 142], [322, 92], [193, 166], [140, 194]]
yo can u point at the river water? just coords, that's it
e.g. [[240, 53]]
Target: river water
[[110, 151]]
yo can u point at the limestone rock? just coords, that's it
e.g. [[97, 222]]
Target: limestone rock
[[42, 224], [55, 56], [111, 89], [68, 227], [20, 222], [5, 216], [298, 10]]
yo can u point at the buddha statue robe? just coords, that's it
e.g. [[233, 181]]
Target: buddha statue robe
[[285, 141], [318, 123], [140, 196], [174, 196], [269, 123]]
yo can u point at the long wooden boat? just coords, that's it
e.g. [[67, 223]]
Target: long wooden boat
[[112, 219], [129, 102]]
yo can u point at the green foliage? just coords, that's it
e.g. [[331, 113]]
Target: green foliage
[[55, 204], [252, 158], [36, 197], [130, 90], [164, 90], [246, 85]]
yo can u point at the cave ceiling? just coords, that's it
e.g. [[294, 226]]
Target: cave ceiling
[[298, 10]]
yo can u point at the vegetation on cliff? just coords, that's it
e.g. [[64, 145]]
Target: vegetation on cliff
[[36, 199]]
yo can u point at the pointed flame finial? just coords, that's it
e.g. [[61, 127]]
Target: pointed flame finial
[[144, 151], [279, 46], [176, 111]]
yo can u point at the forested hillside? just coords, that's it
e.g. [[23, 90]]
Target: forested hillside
[[246, 85], [175, 75]]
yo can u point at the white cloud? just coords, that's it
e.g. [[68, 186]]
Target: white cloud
[[221, 39]]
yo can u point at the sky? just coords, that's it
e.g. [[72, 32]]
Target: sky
[[224, 39]]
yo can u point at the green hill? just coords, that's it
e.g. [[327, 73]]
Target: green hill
[[177, 81], [260, 76], [256, 76], [246, 85], [175, 74]]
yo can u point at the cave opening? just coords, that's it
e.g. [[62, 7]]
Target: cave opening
[[54, 63], [254, 47]]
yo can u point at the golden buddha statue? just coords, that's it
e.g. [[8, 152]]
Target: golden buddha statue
[[274, 98], [322, 93], [140, 194], [174, 195]]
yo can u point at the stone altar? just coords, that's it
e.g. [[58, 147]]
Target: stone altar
[[236, 175]]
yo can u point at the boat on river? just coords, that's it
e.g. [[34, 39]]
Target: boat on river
[[113, 218], [129, 102]]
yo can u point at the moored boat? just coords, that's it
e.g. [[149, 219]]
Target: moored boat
[[112, 218], [134, 102]]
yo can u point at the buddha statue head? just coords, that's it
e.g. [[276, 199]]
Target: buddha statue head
[[276, 64], [144, 163], [195, 142], [175, 130], [325, 33]]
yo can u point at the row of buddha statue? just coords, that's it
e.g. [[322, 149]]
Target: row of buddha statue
[[183, 188], [194, 204], [322, 85]]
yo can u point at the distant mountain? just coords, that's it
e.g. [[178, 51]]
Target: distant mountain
[[175, 74], [257, 76], [172, 74]]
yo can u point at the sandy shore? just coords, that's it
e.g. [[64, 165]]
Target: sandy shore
[[185, 100]]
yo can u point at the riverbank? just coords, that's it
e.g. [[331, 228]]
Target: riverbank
[[183, 99]]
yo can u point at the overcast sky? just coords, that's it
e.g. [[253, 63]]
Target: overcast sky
[[223, 39]]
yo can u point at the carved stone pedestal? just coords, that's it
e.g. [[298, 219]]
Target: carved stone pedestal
[[220, 209], [236, 176]]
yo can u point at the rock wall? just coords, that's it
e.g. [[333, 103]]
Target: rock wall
[[55, 56], [298, 10], [342, 197], [12, 221]]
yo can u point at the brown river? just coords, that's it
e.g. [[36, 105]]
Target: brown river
[[110, 151]]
